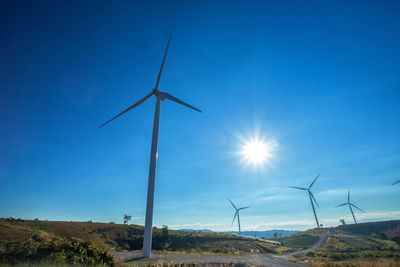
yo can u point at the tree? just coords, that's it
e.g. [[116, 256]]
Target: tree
[[127, 218], [275, 234], [165, 231], [342, 221]]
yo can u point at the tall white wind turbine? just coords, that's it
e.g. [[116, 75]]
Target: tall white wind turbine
[[237, 213], [350, 205], [312, 198], [148, 227]]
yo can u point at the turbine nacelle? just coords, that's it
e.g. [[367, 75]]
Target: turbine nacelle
[[155, 92]]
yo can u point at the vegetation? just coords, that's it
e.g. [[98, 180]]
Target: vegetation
[[127, 218], [87, 243], [364, 244], [301, 240], [192, 242], [42, 249], [114, 237]]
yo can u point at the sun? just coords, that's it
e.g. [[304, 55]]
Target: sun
[[257, 151]]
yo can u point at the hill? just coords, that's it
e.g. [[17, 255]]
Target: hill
[[363, 244], [117, 237], [383, 230], [359, 244]]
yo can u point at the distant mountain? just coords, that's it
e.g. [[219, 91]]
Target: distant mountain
[[266, 234]]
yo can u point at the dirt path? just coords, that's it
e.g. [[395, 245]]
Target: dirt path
[[216, 260]]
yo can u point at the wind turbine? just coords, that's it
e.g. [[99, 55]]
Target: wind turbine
[[148, 228], [396, 182], [237, 213], [350, 204], [312, 198]]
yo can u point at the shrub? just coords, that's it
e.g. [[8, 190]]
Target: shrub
[[57, 251]]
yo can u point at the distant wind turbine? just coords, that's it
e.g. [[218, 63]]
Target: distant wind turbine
[[153, 156], [312, 198], [396, 182], [237, 213], [350, 204]]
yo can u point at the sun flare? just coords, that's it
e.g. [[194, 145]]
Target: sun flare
[[257, 152]]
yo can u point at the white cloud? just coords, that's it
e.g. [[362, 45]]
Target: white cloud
[[137, 219], [358, 191]]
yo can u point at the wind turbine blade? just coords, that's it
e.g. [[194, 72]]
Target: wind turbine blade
[[162, 64], [301, 188], [313, 181], [356, 207], [244, 208], [172, 98], [232, 204], [341, 205], [348, 196], [234, 217], [314, 198], [396, 182], [126, 110]]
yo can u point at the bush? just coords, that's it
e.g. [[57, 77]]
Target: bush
[[57, 251]]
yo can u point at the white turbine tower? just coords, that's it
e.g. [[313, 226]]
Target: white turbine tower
[[148, 227], [350, 204], [237, 213]]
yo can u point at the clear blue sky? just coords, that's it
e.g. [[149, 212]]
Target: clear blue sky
[[318, 78]]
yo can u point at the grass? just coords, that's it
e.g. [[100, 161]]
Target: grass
[[52, 264], [300, 241], [367, 244], [116, 237], [349, 245], [43, 264]]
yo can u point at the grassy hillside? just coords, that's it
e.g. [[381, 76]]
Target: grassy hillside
[[364, 244], [383, 230], [122, 237], [359, 244], [117, 237]]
